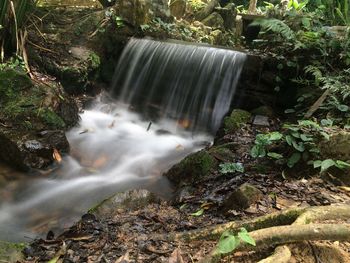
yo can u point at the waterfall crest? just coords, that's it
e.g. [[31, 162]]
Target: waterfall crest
[[190, 83]]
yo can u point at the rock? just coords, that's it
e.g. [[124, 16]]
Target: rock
[[128, 200], [224, 152], [193, 167], [11, 252], [337, 147], [260, 120], [24, 150], [236, 120], [178, 8], [214, 20], [229, 14], [243, 197], [141, 12], [216, 37], [264, 111], [207, 10]]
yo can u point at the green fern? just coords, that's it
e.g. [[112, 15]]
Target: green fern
[[276, 26]]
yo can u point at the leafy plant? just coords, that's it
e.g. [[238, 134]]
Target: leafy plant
[[226, 168], [229, 242], [261, 143], [328, 163]]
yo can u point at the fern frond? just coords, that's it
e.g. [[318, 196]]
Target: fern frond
[[276, 26]]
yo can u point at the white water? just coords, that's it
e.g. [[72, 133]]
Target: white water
[[111, 151], [114, 149]]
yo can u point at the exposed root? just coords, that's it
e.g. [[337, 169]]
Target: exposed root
[[285, 217], [282, 254]]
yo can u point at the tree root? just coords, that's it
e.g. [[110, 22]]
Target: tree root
[[290, 234], [282, 254], [285, 217], [300, 230]]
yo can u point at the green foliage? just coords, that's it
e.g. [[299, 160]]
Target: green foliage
[[196, 5], [328, 163], [226, 168], [261, 143], [229, 242], [276, 26], [198, 213]]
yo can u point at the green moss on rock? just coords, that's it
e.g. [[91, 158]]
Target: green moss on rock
[[11, 252], [236, 120], [191, 168], [51, 118]]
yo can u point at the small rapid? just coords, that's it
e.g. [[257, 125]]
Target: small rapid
[[113, 149]]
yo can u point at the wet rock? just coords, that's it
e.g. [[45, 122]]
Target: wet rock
[[192, 168], [11, 252], [243, 197], [236, 120], [129, 200], [214, 20], [178, 8], [107, 3], [183, 194], [24, 150], [224, 152]]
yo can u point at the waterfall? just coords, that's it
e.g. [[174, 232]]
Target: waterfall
[[193, 84]]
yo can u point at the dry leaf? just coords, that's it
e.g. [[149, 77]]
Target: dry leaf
[[179, 147], [111, 125], [56, 156], [176, 257], [100, 162], [124, 258], [185, 123], [345, 188]]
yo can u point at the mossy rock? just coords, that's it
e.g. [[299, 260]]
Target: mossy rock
[[128, 200], [214, 20], [11, 252], [193, 167], [12, 82], [224, 152], [236, 120], [243, 197]]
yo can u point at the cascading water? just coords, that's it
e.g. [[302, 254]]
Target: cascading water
[[114, 149], [185, 82]]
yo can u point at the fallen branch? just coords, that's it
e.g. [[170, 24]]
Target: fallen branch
[[282, 254]]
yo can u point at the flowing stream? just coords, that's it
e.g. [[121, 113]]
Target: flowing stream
[[168, 100]]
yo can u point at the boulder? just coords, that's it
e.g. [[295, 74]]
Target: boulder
[[141, 12], [128, 200], [178, 8], [243, 197], [224, 152], [337, 147], [214, 20], [192, 168], [229, 14], [216, 36], [236, 120]]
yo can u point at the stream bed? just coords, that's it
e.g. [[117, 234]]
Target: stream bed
[[112, 149]]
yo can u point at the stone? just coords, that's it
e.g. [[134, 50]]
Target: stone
[[260, 120], [228, 13], [178, 8], [128, 200], [216, 37], [214, 20], [236, 120], [141, 12], [11, 252], [192, 168], [263, 110], [243, 197], [224, 152], [337, 147]]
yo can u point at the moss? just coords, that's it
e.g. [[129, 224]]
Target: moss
[[191, 168], [11, 252], [94, 60], [11, 83], [51, 118], [223, 153], [236, 120]]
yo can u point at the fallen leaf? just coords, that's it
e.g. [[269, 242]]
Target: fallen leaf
[[345, 188], [185, 123], [100, 162], [124, 258], [111, 125], [56, 155], [176, 257], [179, 147]]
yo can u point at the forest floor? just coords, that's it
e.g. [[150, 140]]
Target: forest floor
[[145, 233]]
